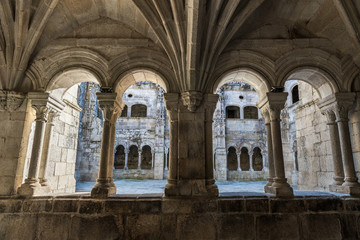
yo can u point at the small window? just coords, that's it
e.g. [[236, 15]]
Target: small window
[[124, 111], [232, 163], [250, 112], [232, 112], [138, 110], [295, 94]]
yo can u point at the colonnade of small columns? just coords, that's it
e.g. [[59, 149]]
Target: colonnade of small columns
[[126, 158], [251, 160], [180, 182]]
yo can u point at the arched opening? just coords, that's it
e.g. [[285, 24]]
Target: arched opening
[[138, 110], [257, 159], [232, 112], [232, 159], [295, 94], [251, 112], [119, 161], [244, 159], [133, 157], [146, 157]]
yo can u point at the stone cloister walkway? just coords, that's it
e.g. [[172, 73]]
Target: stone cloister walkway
[[131, 186]]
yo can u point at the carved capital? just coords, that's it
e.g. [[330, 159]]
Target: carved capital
[[338, 103], [330, 115], [107, 104], [192, 100], [172, 105], [10, 101], [41, 112], [265, 112], [43, 104], [210, 101]]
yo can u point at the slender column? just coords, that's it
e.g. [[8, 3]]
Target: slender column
[[152, 159], [166, 161], [105, 184], [42, 103], [275, 103], [210, 101], [171, 103], [126, 159], [345, 142], [251, 160], [238, 161], [335, 148], [45, 152], [139, 159]]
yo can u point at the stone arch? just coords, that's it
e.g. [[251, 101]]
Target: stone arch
[[244, 159], [256, 80], [68, 60], [146, 157], [318, 68], [232, 159], [257, 159], [119, 161]]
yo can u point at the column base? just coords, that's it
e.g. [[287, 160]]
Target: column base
[[281, 188], [103, 189], [29, 189], [191, 188], [268, 186], [354, 191]]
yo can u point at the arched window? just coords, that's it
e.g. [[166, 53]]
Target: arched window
[[119, 161], [232, 112], [146, 157], [295, 94], [124, 112], [138, 110], [257, 159], [244, 159], [133, 157], [232, 159], [250, 112]]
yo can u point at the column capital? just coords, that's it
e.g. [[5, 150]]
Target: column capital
[[11, 101], [191, 100], [107, 104], [43, 104], [273, 103], [210, 101], [172, 105], [338, 103]]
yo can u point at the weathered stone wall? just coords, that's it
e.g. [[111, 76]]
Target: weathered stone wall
[[354, 117], [175, 219], [313, 143]]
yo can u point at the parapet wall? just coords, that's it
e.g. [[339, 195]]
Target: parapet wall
[[153, 217]]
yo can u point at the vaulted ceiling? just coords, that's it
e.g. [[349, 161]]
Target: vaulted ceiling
[[193, 34]]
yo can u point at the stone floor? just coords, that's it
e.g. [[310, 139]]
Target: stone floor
[[226, 188]]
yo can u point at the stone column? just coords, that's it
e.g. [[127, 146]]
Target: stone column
[[268, 185], [171, 104], [191, 166], [238, 161], [342, 110], [152, 159], [139, 159], [335, 148], [45, 151], [126, 159], [42, 103], [251, 153], [105, 185], [274, 102], [210, 101], [166, 161]]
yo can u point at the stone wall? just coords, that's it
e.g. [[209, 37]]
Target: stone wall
[[313, 143], [151, 217], [354, 117]]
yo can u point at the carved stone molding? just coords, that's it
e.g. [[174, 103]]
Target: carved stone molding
[[338, 103], [43, 104], [192, 100], [10, 101], [107, 104]]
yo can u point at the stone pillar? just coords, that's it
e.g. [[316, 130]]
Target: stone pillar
[[191, 164], [268, 185], [126, 159], [43, 104], [45, 151], [274, 102], [335, 148], [251, 153], [152, 159], [342, 111], [166, 161], [105, 185], [139, 159], [238, 161]]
